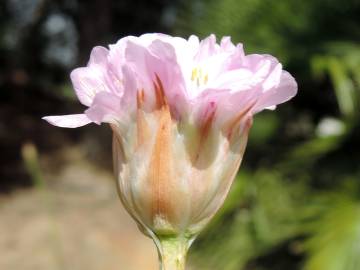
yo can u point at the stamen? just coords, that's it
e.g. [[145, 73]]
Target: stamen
[[194, 74], [206, 78], [198, 76]]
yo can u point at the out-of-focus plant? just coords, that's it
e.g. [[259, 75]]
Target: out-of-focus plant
[[336, 237], [30, 158], [335, 234], [342, 64]]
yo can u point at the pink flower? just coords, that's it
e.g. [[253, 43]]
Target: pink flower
[[180, 111]]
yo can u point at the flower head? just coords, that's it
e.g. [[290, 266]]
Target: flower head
[[180, 111]]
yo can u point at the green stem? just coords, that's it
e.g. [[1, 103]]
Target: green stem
[[172, 252]]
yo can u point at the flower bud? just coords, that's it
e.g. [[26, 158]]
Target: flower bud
[[180, 111]]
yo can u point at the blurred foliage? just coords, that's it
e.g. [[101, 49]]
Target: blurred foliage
[[341, 61], [295, 203]]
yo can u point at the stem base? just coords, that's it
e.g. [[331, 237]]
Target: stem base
[[172, 252]]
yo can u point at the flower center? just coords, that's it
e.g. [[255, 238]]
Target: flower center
[[199, 77]]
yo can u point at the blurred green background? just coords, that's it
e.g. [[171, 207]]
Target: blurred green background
[[296, 201]]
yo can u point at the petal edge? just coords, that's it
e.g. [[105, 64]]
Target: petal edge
[[68, 121]]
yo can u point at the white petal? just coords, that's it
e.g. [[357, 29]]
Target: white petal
[[68, 121]]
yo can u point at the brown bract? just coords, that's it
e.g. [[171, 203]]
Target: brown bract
[[158, 147], [161, 163]]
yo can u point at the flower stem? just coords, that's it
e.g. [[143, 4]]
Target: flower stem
[[172, 252]]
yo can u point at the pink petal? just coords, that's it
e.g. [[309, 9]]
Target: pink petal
[[260, 63], [158, 60], [130, 89], [135, 56], [147, 39], [235, 80], [68, 121], [286, 90], [273, 78], [226, 44], [207, 48], [88, 81], [230, 81], [207, 102], [228, 104], [117, 56], [105, 108], [193, 42], [98, 56], [236, 58]]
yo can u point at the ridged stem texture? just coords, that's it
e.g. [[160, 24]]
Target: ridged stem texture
[[172, 252]]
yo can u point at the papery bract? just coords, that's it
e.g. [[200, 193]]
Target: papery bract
[[180, 111]]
